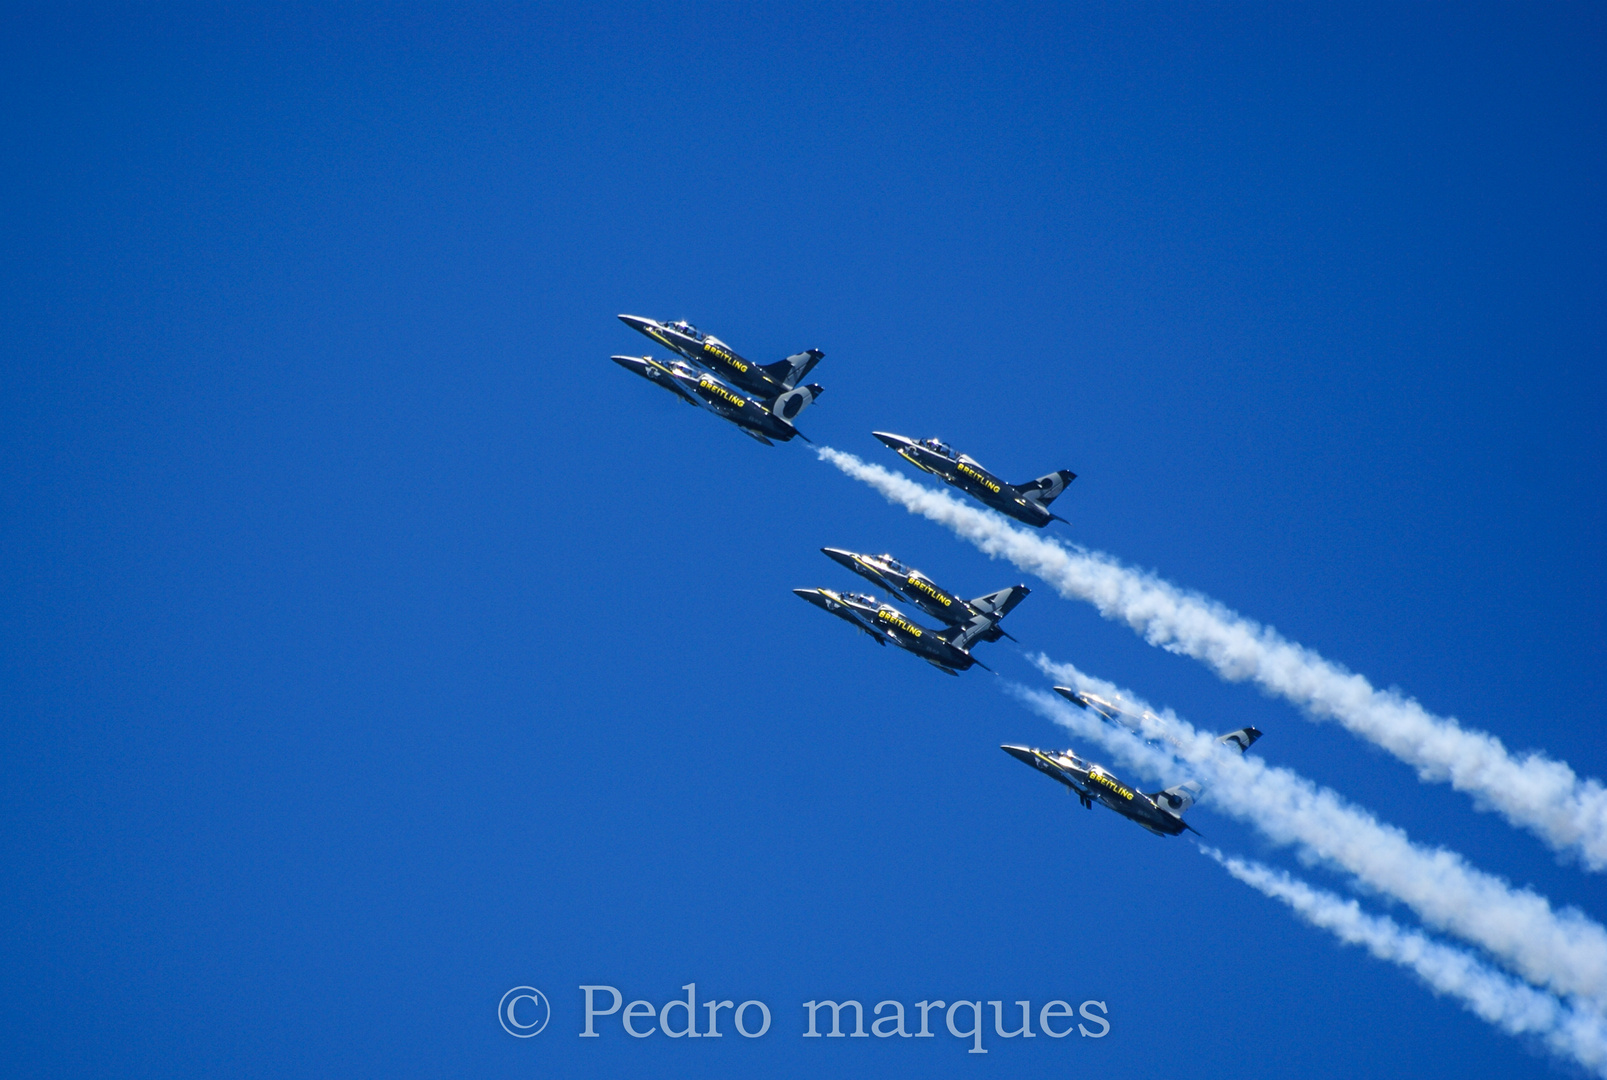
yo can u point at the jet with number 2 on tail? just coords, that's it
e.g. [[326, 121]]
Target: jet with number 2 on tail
[[1028, 502], [765, 422], [1161, 812], [767, 381], [947, 650], [926, 594]]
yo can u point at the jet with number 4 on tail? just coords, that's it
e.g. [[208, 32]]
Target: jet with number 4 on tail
[[920, 590], [1028, 502], [765, 421], [767, 381], [947, 649], [1161, 812]]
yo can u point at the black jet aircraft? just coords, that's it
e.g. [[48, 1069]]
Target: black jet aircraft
[[1161, 812], [920, 590], [1027, 502], [765, 422], [946, 649], [767, 381]]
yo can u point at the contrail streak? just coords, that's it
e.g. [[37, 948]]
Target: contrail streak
[[1567, 1030], [1564, 951], [1531, 790]]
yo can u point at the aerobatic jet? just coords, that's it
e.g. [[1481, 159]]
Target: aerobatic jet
[[766, 381], [764, 421], [946, 649], [924, 593], [1161, 812], [1027, 502], [1143, 723]]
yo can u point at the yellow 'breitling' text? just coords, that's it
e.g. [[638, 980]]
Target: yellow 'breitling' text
[[908, 627], [716, 351], [721, 392], [1101, 778], [978, 477], [920, 583]]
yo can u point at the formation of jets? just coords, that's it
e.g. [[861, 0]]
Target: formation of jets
[[948, 649], [763, 401], [897, 579]]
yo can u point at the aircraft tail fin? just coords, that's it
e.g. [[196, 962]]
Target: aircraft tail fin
[[1240, 740], [791, 370], [1046, 489], [1178, 798], [787, 406], [963, 636], [1001, 603]]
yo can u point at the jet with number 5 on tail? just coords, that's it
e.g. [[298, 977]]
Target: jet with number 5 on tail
[[1028, 502], [947, 650], [1161, 812], [766, 381], [765, 422], [924, 593]]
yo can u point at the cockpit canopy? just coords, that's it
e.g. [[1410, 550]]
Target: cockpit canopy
[[893, 564], [939, 445], [861, 598], [688, 329]]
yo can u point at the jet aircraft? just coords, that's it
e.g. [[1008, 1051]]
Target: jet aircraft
[[946, 649], [920, 590], [1161, 812], [1143, 723], [762, 421], [766, 381], [1027, 502]]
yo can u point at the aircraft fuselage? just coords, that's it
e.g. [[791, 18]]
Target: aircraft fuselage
[[1094, 783], [702, 388], [886, 623], [712, 354], [967, 474], [912, 585]]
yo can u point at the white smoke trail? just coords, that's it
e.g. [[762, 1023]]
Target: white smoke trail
[[1564, 951], [1530, 790], [1567, 1030]]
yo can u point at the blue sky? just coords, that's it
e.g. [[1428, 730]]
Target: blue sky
[[373, 645]]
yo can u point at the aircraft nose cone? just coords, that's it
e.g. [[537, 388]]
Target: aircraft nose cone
[[817, 598], [888, 438], [839, 556], [636, 322], [1020, 753]]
